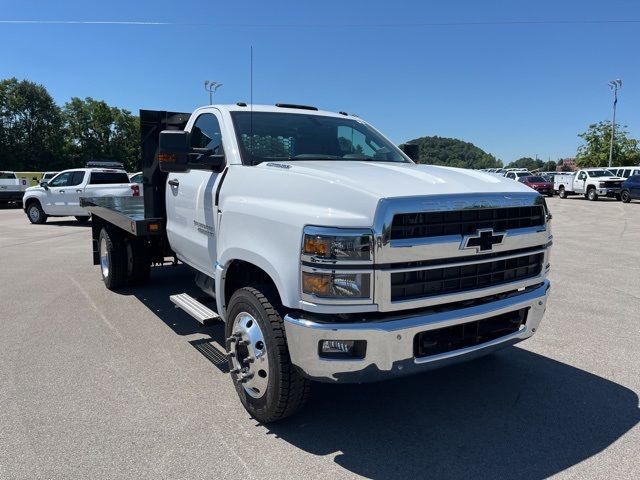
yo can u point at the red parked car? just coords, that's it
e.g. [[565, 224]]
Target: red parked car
[[539, 184]]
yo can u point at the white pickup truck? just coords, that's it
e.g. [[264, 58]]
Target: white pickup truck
[[590, 182], [12, 188], [329, 254], [60, 196]]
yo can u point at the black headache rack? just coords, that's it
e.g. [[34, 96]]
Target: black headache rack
[[141, 216]]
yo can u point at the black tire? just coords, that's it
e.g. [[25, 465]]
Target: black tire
[[562, 192], [592, 195], [82, 219], [113, 267], [287, 390], [35, 213], [138, 261], [625, 196]]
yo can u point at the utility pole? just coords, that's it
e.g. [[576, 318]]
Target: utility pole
[[211, 87], [614, 85]]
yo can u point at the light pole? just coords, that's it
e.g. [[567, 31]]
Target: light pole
[[614, 85], [211, 87]]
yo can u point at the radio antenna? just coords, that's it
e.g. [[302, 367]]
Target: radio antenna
[[251, 103]]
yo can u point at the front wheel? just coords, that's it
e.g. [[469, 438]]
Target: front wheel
[[625, 197], [35, 213], [592, 195], [269, 386]]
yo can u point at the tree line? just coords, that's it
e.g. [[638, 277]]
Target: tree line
[[36, 134]]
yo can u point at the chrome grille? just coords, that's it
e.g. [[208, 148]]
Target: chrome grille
[[464, 222], [407, 285]]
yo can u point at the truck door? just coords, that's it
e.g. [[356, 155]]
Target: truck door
[[72, 193], [54, 199], [579, 184], [190, 197]]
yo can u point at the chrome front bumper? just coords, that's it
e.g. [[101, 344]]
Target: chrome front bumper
[[390, 342]]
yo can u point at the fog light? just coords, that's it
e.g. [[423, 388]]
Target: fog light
[[342, 348]]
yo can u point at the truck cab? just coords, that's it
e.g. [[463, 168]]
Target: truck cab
[[327, 252]]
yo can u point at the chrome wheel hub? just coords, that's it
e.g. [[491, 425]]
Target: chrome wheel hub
[[247, 351], [104, 258]]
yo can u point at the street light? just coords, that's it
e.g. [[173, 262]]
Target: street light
[[614, 85], [211, 87]]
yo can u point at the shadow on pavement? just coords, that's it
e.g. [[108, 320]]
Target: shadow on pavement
[[512, 414]]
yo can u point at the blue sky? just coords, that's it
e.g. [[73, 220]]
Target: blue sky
[[512, 89]]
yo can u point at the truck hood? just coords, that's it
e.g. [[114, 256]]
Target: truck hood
[[343, 193], [386, 180]]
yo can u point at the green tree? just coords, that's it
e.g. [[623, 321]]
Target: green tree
[[31, 135], [529, 163], [97, 131], [597, 140], [453, 153], [549, 166]]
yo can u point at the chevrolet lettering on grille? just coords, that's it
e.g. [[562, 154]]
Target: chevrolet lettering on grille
[[483, 240]]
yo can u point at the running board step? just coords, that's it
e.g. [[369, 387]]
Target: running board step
[[193, 307]]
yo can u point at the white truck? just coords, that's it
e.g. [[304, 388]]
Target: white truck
[[590, 182], [60, 196], [327, 252], [12, 188]]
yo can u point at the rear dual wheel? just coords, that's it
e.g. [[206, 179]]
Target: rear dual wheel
[[124, 260]]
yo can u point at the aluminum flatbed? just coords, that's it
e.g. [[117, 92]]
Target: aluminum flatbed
[[127, 213]]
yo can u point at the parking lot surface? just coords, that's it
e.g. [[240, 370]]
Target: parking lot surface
[[96, 384]]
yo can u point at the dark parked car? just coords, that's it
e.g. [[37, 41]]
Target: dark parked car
[[630, 189], [539, 184]]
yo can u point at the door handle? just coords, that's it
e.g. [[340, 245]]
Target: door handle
[[79, 190], [60, 191], [174, 182]]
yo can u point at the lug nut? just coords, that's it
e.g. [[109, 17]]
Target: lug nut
[[242, 343], [235, 370], [249, 360]]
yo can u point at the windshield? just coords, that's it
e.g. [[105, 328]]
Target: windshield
[[266, 136], [7, 176], [535, 179], [600, 173], [521, 174]]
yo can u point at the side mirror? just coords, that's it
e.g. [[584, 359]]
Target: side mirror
[[411, 150], [45, 185], [176, 155], [173, 150]]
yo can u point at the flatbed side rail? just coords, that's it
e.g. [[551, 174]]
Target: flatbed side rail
[[126, 213]]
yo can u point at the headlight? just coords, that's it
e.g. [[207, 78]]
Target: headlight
[[602, 184], [327, 245], [336, 285], [337, 265]]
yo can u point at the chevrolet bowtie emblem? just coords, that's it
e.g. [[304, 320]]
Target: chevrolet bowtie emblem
[[483, 240]]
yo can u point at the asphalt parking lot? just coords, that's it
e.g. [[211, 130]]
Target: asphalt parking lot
[[96, 384]]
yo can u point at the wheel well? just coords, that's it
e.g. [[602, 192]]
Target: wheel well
[[30, 201], [244, 274], [589, 187]]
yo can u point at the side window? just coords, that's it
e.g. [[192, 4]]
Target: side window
[[582, 176], [61, 180], [206, 133], [626, 173], [76, 179]]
